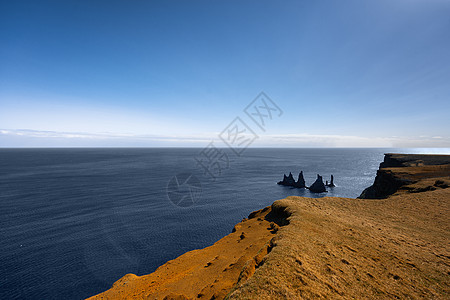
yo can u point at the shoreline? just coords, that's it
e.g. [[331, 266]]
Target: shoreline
[[395, 246]]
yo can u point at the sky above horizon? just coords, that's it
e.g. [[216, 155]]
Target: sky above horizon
[[177, 73]]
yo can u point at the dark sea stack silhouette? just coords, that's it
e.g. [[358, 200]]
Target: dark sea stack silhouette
[[318, 186], [282, 182], [287, 180], [331, 184], [301, 181], [290, 179]]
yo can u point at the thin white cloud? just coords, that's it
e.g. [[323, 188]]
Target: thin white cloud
[[36, 138], [324, 140], [92, 137]]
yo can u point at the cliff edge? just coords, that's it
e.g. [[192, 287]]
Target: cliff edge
[[339, 248], [400, 173]]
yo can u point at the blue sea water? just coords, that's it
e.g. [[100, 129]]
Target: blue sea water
[[73, 221]]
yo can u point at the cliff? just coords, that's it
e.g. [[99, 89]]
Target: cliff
[[328, 247], [403, 172]]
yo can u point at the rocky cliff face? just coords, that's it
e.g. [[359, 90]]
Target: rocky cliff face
[[399, 172], [392, 160], [386, 183]]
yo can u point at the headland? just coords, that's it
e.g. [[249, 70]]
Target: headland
[[391, 243]]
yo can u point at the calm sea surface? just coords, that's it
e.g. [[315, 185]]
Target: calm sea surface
[[73, 221]]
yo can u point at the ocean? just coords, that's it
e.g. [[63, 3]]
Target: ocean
[[73, 221]]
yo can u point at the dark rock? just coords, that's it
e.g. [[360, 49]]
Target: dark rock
[[301, 181], [283, 182], [331, 184], [441, 184], [423, 189], [290, 179], [287, 180], [385, 184], [318, 186]]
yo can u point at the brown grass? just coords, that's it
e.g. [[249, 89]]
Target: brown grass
[[346, 248]]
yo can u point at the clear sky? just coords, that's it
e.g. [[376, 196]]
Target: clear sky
[[176, 73]]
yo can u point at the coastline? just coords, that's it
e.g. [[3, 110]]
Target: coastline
[[324, 247]]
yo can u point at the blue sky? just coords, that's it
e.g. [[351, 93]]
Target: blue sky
[[176, 73]]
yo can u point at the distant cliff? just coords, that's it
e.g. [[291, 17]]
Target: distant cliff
[[398, 171]]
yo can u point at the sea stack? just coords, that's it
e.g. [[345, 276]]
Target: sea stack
[[318, 186], [331, 184], [291, 180], [282, 181], [287, 180], [301, 181]]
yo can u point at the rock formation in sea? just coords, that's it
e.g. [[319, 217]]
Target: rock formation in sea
[[301, 181], [331, 184], [318, 186], [287, 180], [284, 181]]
